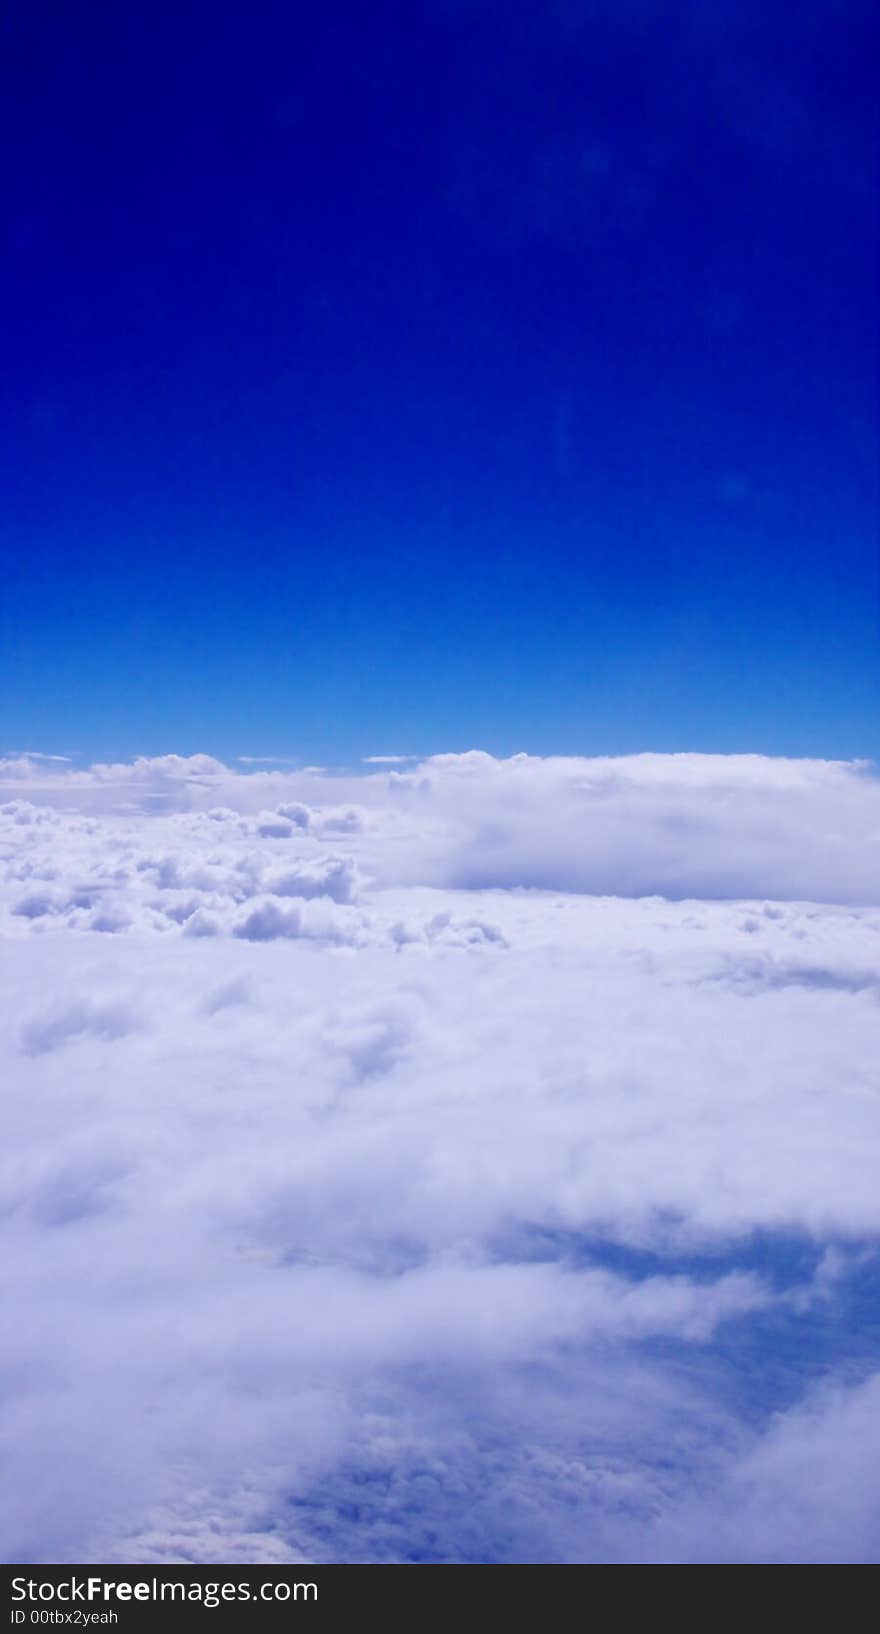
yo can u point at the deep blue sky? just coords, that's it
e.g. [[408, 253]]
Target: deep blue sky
[[412, 377]]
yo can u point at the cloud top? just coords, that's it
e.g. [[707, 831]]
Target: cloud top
[[472, 1162], [673, 825]]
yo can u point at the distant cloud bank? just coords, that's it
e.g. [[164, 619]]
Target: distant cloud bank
[[670, 825]]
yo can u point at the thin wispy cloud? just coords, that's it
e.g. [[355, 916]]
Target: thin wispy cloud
[[35, 754]]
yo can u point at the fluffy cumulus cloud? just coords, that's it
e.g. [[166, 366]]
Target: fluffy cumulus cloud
[[471, 1161]]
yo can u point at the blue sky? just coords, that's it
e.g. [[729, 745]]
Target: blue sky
[[400, 379]]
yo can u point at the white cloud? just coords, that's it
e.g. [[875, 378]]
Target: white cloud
[[29, 755], [673, 825], [382, 1193]]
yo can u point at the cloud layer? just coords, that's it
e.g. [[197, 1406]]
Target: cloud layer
[[673, 825], [470, 1163]]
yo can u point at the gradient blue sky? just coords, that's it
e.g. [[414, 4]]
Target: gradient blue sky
[[403, 378]]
